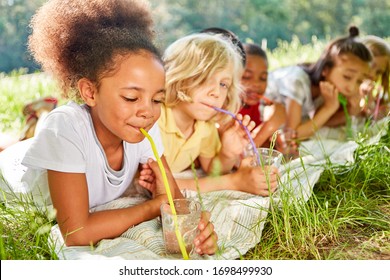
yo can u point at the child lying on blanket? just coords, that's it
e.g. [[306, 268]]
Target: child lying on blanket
[[311, 92], [265, 113], [204, 70], [269, 115], [102, 53]]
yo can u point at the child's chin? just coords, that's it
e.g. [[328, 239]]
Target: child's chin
[[347, 95], [251, 102]]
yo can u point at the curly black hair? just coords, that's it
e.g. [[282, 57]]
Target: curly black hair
[[73, 39]]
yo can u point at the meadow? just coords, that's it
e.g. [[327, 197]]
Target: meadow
[[347, 216]]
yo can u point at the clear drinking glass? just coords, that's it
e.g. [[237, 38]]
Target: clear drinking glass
[[269, 157], [188, 216]]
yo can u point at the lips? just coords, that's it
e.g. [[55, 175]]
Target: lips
[[138, 127], [253, 94]]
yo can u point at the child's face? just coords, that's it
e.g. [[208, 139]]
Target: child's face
[[378, 66], [212, 92], [254, 79], [347, 74], [129, 98]]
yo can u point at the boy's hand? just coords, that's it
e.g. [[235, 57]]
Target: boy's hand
[[234, 138]]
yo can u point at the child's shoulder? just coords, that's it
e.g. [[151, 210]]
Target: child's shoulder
[[293, 70], [70, 109], [69, 115], [289, 74]]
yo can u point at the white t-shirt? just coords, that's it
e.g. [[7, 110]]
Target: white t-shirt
[[291, 82], [68, 143]]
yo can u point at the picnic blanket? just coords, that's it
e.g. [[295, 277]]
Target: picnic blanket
[[238, 217]]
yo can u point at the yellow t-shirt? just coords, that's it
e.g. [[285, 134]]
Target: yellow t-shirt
[[180, 152]]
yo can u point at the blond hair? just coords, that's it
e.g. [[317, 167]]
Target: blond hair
[[379, 47], [191, 60]]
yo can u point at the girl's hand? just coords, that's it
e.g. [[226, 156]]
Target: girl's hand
[[353, 105], [330, 94], [147, 178], [153, 179], [234, 138], [206, 241]]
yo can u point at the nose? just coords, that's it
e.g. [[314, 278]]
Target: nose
[[215, 91], [145, 110], [350, 88]]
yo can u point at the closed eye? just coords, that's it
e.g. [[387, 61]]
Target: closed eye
[[158, 101], [130, 99], [264, 77], [348, 78]]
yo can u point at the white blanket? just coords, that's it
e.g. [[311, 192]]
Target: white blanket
[[238, 217]]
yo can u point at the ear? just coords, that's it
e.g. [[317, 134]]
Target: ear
[[87, 91], [325, 71]]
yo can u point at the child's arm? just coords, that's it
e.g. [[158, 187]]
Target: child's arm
[[353, 107], [337, 119], [322, 115], [247, 179], [274, 117], [69, 194]]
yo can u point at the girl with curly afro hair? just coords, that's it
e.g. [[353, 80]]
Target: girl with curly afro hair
[[87, 153]]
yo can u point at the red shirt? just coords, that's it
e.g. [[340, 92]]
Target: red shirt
[[253, 111]]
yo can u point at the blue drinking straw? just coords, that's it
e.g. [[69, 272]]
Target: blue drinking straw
[[243, 126]]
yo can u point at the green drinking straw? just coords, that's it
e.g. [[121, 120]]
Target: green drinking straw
[[169, 194], [343, 101]]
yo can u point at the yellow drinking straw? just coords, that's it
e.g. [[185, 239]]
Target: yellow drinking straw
[[169, 194]]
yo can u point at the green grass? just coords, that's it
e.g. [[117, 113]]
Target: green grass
[[347, 216], [291, 53], [24, 230], [17, 89]]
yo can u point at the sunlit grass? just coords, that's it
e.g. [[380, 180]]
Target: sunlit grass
[[25, 230], [18, 89], [291, 53]]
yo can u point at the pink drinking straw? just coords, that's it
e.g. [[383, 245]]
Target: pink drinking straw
[[243, 126]]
